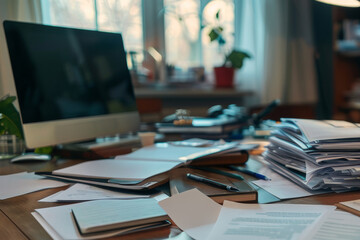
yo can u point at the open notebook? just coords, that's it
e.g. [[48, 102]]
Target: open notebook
[[130, 170]]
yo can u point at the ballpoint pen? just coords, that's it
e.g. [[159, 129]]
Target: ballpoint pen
[[247, 171], [212, 182], [218, 171]]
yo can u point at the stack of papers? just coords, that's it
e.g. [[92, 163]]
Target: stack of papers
[[318, 155]]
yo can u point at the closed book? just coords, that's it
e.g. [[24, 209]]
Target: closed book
[[237, 158], [105, 215], [179, 182], [202, 125]]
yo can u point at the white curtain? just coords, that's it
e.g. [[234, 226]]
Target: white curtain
[[278, 35], [22, 10]]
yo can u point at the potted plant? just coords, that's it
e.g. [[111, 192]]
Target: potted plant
[[9, 118], [11, 133], [233, 59]]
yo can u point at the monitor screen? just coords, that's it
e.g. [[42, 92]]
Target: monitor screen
[[72, 84]]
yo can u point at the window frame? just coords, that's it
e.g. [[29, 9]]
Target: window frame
[[154, 25]]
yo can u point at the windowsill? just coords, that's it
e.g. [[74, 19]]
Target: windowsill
[[189, 89], [197, 98]]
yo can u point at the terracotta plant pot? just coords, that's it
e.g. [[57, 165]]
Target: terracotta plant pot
[[224, 77]]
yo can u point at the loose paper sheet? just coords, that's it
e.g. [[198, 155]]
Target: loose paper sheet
[[83, 192], [265, 221], [126, 169], [22, 183], [193, 212], [335, 225], [279, 186]]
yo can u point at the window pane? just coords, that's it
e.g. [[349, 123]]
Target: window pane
[[213, 53], [182, 26], [187, 44], [123, 16], [74, 13]]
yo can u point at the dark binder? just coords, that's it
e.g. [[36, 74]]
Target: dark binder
[[180, 183]]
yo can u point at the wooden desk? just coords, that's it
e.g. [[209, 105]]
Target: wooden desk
[[16, 221]]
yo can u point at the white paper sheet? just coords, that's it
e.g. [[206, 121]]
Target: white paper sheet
[[335, 225], [180, 154], [51, 198], [323, 130], [238, 221], [84, 192], [193, 212], [22, 183], [280, 186], [125, 169]]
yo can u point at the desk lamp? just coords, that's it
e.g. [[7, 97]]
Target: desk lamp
[[343, 3]]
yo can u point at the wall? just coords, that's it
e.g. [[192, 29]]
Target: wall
[[6, 78]]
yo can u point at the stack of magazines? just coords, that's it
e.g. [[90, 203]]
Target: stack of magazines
[[317, 155]]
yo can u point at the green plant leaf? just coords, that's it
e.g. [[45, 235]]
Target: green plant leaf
[[7, 126], [216, 33], [236, 58], [11, 122], [44, 150], [213, 35], [217, 15]]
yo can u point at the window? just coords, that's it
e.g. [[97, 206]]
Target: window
[[184, 30], [187, 25], [213, 55], [76, 13], [106, 15]]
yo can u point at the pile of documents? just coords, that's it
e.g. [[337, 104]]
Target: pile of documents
[[318, 155]]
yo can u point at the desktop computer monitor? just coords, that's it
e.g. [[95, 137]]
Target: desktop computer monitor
[[72, 84]]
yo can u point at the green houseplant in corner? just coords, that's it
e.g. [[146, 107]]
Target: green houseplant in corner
[[9, 118], [11, 130], [233, 59], [11, 133]]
